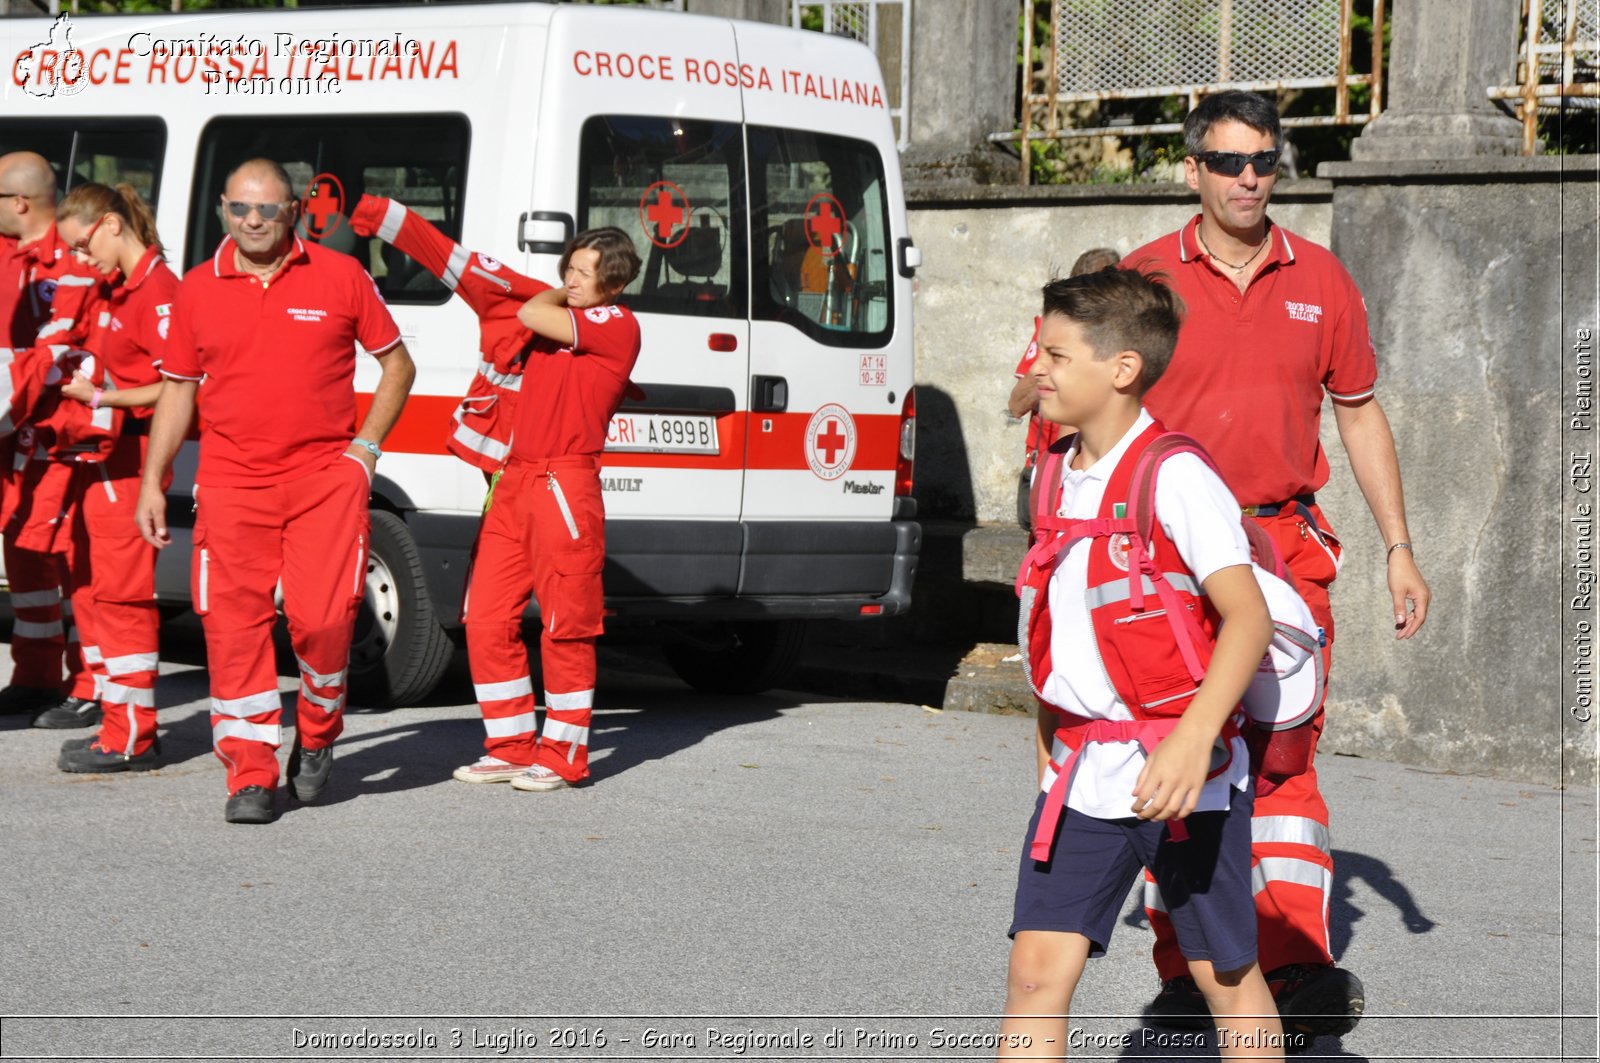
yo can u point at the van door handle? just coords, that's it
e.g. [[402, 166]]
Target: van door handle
[[769, 394], [545, 247]]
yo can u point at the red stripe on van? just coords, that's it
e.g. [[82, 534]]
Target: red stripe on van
[[426, 424]]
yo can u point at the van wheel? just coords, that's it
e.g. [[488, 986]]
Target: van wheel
[[746, 657], [399, 652]]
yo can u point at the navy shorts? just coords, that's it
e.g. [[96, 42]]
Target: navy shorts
[[1205, 880]]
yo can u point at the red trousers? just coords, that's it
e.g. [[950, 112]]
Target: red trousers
[[44, 574], [114, 600], [1290, 850], [311, 533], [543, 536]]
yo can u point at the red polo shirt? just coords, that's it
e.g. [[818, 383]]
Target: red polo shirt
[[135, 337], [275, 361], [569, 393], [1251, 367]]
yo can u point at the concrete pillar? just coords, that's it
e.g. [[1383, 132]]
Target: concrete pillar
[[773, 11], [963, 87], [1445, 54]]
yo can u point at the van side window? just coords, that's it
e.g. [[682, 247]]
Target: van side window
[[676, 186], [420, 160], [111, 151], [821, 247]]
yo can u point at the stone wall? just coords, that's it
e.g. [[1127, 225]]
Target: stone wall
[[1479, 275]]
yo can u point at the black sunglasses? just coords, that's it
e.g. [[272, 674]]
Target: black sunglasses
[[1232, 163]]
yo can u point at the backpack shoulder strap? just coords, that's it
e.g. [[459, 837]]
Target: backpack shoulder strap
[[1142, 495], [1046, 487]]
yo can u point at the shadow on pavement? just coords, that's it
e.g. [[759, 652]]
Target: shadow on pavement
[[1343, 914]]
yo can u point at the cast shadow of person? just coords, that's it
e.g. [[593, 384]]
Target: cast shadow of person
[[638, 719], [1343, 915]]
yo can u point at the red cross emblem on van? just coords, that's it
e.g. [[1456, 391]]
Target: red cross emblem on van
[[322, 207]]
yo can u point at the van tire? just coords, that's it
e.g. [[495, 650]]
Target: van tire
[[747, 658], [399, 652]]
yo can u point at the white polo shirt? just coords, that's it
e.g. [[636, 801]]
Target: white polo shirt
[[1201, 517]]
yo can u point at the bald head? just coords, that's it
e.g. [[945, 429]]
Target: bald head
[[29, 174], [265, 172], [27, 210]]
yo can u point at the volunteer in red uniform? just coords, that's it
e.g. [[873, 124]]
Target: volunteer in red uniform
[[543, 533], [54, 301], [264, 335], [114, 231], [1274, 321]]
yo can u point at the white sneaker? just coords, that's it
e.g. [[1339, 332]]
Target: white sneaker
[[537, 777], [489, 769]]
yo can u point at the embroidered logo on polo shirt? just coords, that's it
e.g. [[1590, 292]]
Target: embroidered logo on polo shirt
[[599, 314], [302, 314], [1303, 311]]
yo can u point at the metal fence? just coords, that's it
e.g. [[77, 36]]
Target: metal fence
[[1557, 63], [888, 38], [1102, 50]]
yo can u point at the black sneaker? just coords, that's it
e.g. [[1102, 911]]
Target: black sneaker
[[1179, 1006], [1317, 1001], [308, 771], [29, 701], [252, 804], [70, 712], [93, 757], [80, 743]]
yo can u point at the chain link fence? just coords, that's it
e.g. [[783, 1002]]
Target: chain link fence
[[1109, 50], [1557, 65], [884, 26]]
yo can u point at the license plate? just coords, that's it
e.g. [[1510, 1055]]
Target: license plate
[[662, 433]]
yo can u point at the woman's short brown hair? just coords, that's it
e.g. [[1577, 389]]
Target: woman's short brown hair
[[619, 262]]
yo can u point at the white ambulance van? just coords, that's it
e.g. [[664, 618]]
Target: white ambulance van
[[765, 478]]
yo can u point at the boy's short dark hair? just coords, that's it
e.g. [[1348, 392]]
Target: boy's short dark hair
[[619, 262], [1247, 108], [1121, 310]]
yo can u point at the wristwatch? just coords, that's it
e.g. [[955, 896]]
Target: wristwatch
[[369, 444]]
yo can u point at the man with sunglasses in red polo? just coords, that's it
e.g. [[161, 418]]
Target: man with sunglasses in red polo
[[1273, 322], [264, 336]]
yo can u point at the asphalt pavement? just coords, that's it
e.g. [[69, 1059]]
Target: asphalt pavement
[[771, 877]]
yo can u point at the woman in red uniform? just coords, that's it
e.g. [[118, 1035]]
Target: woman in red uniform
[[114, 231], [543, 531]]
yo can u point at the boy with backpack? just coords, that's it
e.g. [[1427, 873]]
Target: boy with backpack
[[1141, 638]]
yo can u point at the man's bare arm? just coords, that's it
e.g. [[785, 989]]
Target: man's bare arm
[[168, 425], [388, 399], [1368, 440]]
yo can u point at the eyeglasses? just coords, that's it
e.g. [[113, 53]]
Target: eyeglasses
[[241, 210], [82, 246], [1232, 163]]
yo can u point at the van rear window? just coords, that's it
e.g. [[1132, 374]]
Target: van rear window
[[420, 160], [821, 224], [676, 186], [110, 151]]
